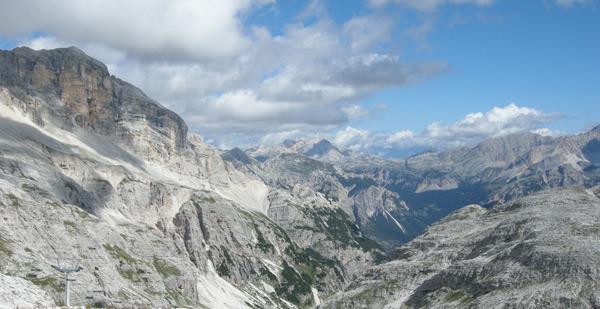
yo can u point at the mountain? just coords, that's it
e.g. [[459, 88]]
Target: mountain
[[322, 150], [93, 169], [394, 200], [537, 252], [325, 151]]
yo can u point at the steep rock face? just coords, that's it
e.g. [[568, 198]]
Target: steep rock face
[[540, 251], [377, 212], [498, 170], [90, 167], [78, 92]]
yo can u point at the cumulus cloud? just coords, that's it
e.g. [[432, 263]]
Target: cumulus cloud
[[352, 138], [163, 29], [230, 80], [469, 130], [235, 82], [496, 122], [400, 137], [547, 132]]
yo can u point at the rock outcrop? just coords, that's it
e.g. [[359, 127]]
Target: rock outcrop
[[92, 169], [75, 91], [537, 252]]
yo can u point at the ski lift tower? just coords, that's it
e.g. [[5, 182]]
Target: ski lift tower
[[67, 266]]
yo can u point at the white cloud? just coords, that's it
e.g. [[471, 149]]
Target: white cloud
[[363, 31], [496, 122], [469, 130], [162, 29], [399, 137], [356, 111], [352, 138], [310, 76], [279, 137], [547, 132]]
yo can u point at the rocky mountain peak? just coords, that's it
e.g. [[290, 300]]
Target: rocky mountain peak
[[50, 70], [321, 148], [74, 90], [237, 155]]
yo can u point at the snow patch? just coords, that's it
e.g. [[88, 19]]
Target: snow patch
[[267, 287], [215, 292], [272, 267], [315, 295], [388, 215], [573, 160]]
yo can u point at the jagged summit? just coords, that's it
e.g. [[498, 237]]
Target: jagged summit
[[321, 148], [24, 60], [90, 164], [237, 155], [540, 251], [74, 90]]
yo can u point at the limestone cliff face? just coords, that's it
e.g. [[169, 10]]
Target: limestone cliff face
[[538, 252], [79, 92], [91, 167]]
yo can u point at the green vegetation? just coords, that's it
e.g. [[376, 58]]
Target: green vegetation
[[310, 268], [54, 204], [70, 224], [82, 213], [223, 268], [119, 253], [129, 274], [366, 296], [49, 282], [314, 264], [305, 166], [458, 295], [164, 268], [71, 186], [269, 274], [178, 300], [338, 226], [263, 244], [585, 230], [454, 296], [34, 189], [152, 292], [292, 285], [14, 201], [209, 199], [4, 250]]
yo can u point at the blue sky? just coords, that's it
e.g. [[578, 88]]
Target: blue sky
[[378, 76]]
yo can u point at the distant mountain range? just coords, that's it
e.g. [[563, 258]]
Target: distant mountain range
[[93, 168]]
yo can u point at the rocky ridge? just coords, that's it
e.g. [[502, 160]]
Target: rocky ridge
[[537, 252], [405, 196], [91, 167]]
